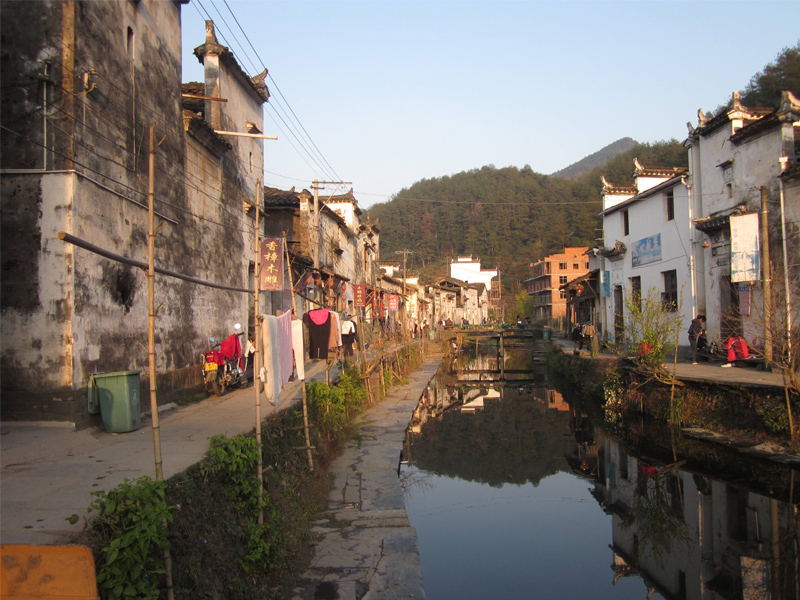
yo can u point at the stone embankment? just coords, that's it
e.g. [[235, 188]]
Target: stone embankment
[[367, 547]]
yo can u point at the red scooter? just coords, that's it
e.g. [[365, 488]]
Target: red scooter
[[226, 367]]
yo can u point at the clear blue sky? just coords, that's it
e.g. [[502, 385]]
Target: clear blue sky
[[392, 92]]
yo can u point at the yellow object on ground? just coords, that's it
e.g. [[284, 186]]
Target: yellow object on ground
[[52, 572]]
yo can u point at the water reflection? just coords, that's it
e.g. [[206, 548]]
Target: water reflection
[[515, 493]]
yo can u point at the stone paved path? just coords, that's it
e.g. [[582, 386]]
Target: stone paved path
[[367, 548]]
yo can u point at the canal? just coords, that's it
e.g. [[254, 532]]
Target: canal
[[516, 492]]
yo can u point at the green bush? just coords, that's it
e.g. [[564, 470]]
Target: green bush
[[234, 460], [129, 524]]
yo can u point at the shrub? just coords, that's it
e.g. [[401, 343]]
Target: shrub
[[129, 525]]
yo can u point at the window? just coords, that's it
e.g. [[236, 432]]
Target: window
[[670, 206], [626, 230], [131, 46], [670, 295], [562, 266], [562, 279], [562, 294], [586, 265], [575, 266]]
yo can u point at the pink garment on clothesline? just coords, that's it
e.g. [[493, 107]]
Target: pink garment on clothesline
[[319, 316]]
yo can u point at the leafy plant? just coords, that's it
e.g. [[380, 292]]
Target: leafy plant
[[130, 522], [650, 328], [234, 459]]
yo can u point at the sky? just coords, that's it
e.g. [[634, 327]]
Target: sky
[[384, 93]]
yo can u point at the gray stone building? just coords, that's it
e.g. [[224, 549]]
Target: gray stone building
[[82, 84]]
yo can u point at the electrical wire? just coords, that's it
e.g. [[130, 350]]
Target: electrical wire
[[130, 189], [291, 132], [277, 89]]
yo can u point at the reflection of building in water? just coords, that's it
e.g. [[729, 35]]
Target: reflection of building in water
[[688, 535], [474, 399], [440, 396], [550, 398]]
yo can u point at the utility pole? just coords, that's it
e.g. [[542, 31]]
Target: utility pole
[[404, 252]]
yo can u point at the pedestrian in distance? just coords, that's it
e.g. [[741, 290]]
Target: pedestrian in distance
[[737, 349], [697, 335]]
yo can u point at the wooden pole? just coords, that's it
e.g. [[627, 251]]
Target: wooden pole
[[501, 357], [151, 341], [299, 358], [256, 361], [765, 276]]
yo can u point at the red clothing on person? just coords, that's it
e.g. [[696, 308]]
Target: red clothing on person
[[737, 348]]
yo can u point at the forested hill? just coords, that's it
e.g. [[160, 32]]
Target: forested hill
[[507, 217], [511, 217], [598, 159]]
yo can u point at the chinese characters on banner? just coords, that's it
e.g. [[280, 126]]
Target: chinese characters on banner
[[271, 265], [360, 295], [392, 301]]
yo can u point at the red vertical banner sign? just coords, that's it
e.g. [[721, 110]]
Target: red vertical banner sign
[[271, 265], [393, 304], [360, 295]]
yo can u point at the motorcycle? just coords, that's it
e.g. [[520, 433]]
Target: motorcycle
[[226, 367]]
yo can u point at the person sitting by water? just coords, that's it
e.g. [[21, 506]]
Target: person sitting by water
[[737, 349]]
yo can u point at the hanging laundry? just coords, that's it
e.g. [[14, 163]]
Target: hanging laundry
[[335, 333], [299, 351], [318, 323], [349, 336], [285, 335], [270, 351]]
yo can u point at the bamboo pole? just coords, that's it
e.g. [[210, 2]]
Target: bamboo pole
[[151, 341], [299, 358], [256, 369]]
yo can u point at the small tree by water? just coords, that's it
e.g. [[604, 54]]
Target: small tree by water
[[651, 328]]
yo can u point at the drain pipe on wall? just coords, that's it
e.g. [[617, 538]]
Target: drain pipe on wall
[[692, 243]]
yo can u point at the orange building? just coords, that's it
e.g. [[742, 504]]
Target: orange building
[[549, 274]]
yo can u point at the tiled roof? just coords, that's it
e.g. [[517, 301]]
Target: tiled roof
[[195, 88], [276, 197]]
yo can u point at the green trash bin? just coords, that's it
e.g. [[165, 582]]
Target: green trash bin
[[546, 334], [116, 397]]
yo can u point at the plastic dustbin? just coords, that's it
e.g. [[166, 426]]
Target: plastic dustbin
[[117, 397], [545, 334]]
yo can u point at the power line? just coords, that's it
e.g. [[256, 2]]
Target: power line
[[277, 89], [130, 189], [287, 125]]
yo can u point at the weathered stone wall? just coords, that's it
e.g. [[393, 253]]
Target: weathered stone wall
[[67, 312]]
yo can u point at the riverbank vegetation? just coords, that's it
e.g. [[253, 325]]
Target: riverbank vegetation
[[624, 387]]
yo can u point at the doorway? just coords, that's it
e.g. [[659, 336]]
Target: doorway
[[730, 315]]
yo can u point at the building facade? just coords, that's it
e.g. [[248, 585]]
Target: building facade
[[105, 73], [547, 277], [743, 173], [648, 247]]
